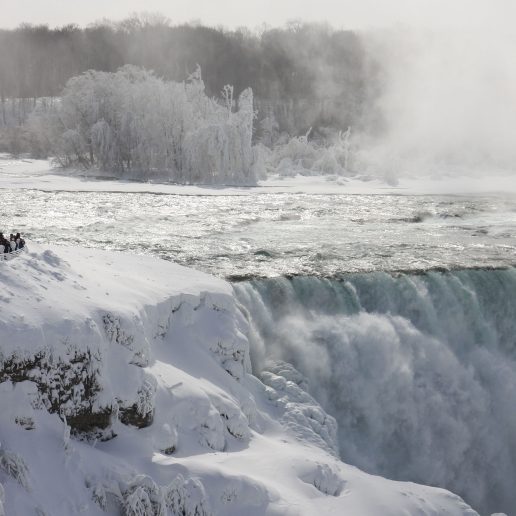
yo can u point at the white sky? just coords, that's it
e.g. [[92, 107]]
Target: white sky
[[253, 13]]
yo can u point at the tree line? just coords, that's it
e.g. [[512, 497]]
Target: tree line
[[302, 75]]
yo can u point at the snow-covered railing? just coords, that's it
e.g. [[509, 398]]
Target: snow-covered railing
[[12, 254]]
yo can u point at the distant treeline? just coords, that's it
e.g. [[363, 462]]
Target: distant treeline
[[303, 74]]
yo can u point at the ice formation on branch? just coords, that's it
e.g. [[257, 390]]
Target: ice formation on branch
[[305, 156]]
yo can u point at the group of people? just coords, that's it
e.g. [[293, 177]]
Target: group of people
[[14, 243]]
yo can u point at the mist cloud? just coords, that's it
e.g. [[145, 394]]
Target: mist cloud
[[448, 100]]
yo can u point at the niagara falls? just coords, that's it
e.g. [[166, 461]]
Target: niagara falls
[[258, 258]]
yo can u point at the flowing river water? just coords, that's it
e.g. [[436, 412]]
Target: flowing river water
[[271, 235]]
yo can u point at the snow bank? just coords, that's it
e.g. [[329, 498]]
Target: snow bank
[[125, 389], [39, 175]]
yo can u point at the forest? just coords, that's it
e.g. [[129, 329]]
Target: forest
[[289, 69], [307, 85]]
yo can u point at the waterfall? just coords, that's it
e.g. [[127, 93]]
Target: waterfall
[[418, 370]]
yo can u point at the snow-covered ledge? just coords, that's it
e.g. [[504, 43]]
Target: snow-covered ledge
[[126, 389], [11, 255]]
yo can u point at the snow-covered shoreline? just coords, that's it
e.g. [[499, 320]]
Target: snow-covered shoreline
[[160, 352], [40, 175]]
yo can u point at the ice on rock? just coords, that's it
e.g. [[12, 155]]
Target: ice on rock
[[211, 431], [117, 335], [236, 423], [302, 415], [17, 403], [165, 439], [226, 341], [324, 479], [141, 412], [214, 419]]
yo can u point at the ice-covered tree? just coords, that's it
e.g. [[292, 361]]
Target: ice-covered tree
[[221, 151], [133, 124]]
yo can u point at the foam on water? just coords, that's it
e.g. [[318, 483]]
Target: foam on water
[[419, 370]]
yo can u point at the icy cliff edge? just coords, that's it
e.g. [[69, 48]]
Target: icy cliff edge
[[125, 388]]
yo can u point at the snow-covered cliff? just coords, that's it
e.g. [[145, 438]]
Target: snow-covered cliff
[[126, 389]]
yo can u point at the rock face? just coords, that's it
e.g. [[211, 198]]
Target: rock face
[[67, 386], [81, 338], [125, 388]]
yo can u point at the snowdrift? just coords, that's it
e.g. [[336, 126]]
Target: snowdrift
[[126, 389]]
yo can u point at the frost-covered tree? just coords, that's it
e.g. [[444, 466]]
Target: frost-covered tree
[[221, 151], [133, 124], [269, 128], [305, 156]]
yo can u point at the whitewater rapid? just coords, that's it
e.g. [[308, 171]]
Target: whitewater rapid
[[419, 370], [271, 235]]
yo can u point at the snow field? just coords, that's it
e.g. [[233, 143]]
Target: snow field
[[41, 175]]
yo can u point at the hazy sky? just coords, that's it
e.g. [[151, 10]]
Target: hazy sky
[[253, 13]]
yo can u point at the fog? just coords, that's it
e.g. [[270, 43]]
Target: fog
[[447, 101], [426, 86], [349, 14]]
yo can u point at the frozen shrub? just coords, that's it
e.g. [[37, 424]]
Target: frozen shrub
[[187, 497], [141, 412], [144, 498], [183, 497], [14, 466], [302, 155], [324, 479]]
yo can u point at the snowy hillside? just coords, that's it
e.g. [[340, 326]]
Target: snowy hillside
[[126, 389]]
